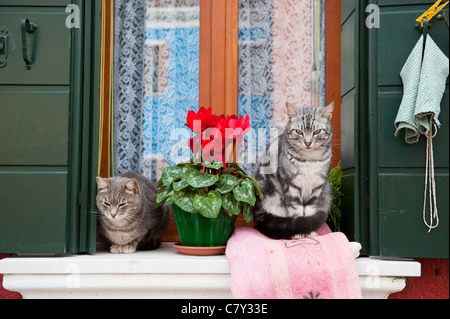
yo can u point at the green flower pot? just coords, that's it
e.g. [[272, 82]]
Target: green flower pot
[[196, 230]]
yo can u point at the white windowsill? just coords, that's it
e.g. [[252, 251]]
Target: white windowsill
[[163, 273]]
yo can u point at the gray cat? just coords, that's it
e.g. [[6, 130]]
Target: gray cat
[[128, 219], [294, 176]]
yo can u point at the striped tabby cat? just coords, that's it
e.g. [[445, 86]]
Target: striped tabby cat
[[294, 176]]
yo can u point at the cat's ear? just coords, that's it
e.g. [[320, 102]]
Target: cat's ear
[[328, 111], [131, 186], [102, 184], [291, 110]]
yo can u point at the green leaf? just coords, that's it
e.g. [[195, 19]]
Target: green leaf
[[226, 183], [164, 193], [256, 184], [169, 174], [247, 212], [188, 163], [210, 205], [215, 165], [227, 171], [170, 200], [231, 204], [245, 192], [181, 184], [159, 183], [185, 200], [238, 169], [197, 179], [335, 177]]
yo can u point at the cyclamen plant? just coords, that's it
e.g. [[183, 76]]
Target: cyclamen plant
[[211, 180]]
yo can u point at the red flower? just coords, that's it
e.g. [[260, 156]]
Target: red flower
[[240, 126], [215, 135], [206, 118]]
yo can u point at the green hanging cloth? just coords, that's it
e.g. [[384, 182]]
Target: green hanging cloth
[[424, 75], [424, 86]]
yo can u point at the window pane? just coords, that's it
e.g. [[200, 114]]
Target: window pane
[[281, 59]]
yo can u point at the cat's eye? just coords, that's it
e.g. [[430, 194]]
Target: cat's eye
[[317, 132], [300, 132], [122, 204], [106, 204]]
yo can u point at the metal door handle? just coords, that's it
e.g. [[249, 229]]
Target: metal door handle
[[26, 27]]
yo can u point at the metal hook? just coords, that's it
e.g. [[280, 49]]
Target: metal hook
[[426, 25], [443, 17]]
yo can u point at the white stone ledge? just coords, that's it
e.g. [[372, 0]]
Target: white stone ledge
[[163, 273]]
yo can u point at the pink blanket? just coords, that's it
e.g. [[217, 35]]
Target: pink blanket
[[320, 267]]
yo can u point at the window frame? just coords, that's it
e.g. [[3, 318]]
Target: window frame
[[218, 72]]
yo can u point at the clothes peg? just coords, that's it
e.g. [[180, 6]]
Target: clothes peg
[[431, 12]]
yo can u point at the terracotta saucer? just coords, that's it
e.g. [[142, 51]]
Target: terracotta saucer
[[199, 251]]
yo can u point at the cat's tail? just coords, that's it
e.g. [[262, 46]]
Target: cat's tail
[[277, 227]]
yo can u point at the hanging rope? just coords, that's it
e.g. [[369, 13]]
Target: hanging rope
[[430, 184]]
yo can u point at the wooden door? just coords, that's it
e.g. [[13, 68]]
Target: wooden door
[[40, 128], [384, 177]]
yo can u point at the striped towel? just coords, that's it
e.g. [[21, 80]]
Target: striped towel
[[321, 267]]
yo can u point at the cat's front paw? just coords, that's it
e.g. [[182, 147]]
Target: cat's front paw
[[122, 249]]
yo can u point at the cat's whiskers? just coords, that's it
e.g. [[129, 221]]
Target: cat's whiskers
[[135, 218]]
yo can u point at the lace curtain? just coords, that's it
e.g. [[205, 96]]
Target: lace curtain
[[156, 75], [281, 59], [129, 36], [156, 82]]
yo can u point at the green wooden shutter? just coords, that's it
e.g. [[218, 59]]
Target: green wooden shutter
[[383, 176], [42, 136]]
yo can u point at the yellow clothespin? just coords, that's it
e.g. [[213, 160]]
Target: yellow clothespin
[[431, 12]]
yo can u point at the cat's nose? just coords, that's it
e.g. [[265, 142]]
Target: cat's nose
[[113, 215], [308, 144]]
